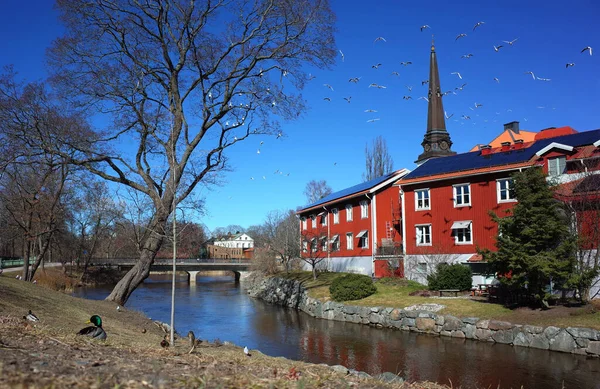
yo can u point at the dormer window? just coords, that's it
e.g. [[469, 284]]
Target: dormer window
[[557, 166]]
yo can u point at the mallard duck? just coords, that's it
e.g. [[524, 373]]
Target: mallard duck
[[31, 317], [96, 331]]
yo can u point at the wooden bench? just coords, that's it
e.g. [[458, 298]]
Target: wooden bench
[[455, 291]]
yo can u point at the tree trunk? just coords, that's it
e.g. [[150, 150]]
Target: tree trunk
[[314, 271], [141, 270], [26, 260]]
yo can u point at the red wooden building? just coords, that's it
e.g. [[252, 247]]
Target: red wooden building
[[356, 229]]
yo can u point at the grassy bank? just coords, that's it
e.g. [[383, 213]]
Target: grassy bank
[[396, 293], [48, 354]]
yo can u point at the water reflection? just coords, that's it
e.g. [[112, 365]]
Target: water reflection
[[216, 307]]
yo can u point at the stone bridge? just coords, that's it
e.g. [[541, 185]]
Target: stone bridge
[[191, 266]]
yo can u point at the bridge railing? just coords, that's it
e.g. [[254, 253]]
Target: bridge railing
[[165, 261]]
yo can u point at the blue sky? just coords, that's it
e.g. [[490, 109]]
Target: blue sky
[[328, 141]]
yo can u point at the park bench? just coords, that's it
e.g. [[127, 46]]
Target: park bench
[[455, 291]]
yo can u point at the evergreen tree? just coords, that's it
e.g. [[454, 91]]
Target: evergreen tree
[[535, 244]]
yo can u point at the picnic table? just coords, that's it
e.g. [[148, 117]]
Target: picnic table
[[455, 291]]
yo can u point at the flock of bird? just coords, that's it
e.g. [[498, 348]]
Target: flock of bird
[[496, 47]]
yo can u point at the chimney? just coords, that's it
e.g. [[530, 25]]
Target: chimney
[[505, 146], [518, 144], [486, 150], [513, 126]]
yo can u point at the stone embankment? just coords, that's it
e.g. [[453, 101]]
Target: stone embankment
[[291, 293]]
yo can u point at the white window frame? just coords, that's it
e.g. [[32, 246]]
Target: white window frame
[[313, 220], [303, 219], [349, 212], [363, 241], [461, 196], [324, 218], [418, 233], [336, 216], [425, 201], [323, 244], [555, 163], [335, 244], [349, 241], [364, 209], [503, 185], [461, 233], [304, 246], [314, 245]]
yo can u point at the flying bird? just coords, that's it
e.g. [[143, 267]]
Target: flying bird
[[327, 98], [379, 38], [448, 116], [467, 56], [348, 99], [460, 36], [407, 98], [424, 82], [395, 74], [372, 120], [328, 86], [377, 86], [424, 27], [458, 74], [479, 24], [258, 151], [569, 64], [409, 88], [497, 48], [354, 79], [461, 87], [542, 79], [532, 75], [423, 98], [406, 63], [588, 48], [497, 79], [342, 54], [370, 110], [376, 66], [466, 117], [477, 105], [511, 42]]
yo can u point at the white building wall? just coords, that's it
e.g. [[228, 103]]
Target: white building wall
[[359, 265]]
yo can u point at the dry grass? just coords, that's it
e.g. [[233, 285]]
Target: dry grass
[[395, 294], [48, 354], [55, 279]]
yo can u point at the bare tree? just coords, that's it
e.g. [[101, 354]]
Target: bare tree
[[282, 236], [378, 161], [420, 266], [316, 190], [183, 82], [314, 249]]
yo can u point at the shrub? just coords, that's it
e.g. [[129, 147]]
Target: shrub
[[264, 262], [455, 276], [56, 280], [352, 287]]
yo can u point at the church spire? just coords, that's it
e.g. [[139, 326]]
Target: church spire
[[436, 142]]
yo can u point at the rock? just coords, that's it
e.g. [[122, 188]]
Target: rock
[[484, 324], [439, 320], [375, 318], [587, 333], [503, 336], [426, 307], [563, 341], [458, 334], [533, 329], [360, 374], [351, 309], [425, 314], [593, 348], [375, 309], [389, 378], [582, 342], [412, 314], [470, 320], [340, 369], [469, 331], [407, 321], [425, 324], [523, 339], [395, 324], [396, 314], [445, 333], [452, 323], [550, 332], [539, 341], [496, 325], [483, 334]]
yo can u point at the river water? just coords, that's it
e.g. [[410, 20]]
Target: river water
[[218, 308]]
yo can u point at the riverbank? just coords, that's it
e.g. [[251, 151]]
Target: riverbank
[[424, 317], [48, 354]]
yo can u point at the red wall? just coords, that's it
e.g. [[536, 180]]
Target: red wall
[[388, 202], [443, 213]]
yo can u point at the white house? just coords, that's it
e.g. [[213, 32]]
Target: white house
[[237, 240]]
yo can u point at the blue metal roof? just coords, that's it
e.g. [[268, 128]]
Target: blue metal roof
[[351, 190], [474, 159]]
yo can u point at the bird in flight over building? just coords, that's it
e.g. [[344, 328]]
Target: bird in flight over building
[[424, 27], [479, 24], [532, 75], [458, 74], [511, 42], [588, 48], [460, 36], [379, 38], [570, 64]]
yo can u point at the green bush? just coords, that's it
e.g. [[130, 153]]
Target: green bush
[[455, 276], [352, 287]]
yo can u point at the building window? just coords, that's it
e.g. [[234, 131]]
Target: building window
[[422, 267], [336, 216], [363, 239], [335, 243], [462, 195], [324, 244], [557, 166], [304, 246], [303, 219], [313, 221], [424, 235], [505, 190], [364, 209], [323, 216], [348, 213], [422, 199], [313, 245], [349, 241], [462, 232]]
